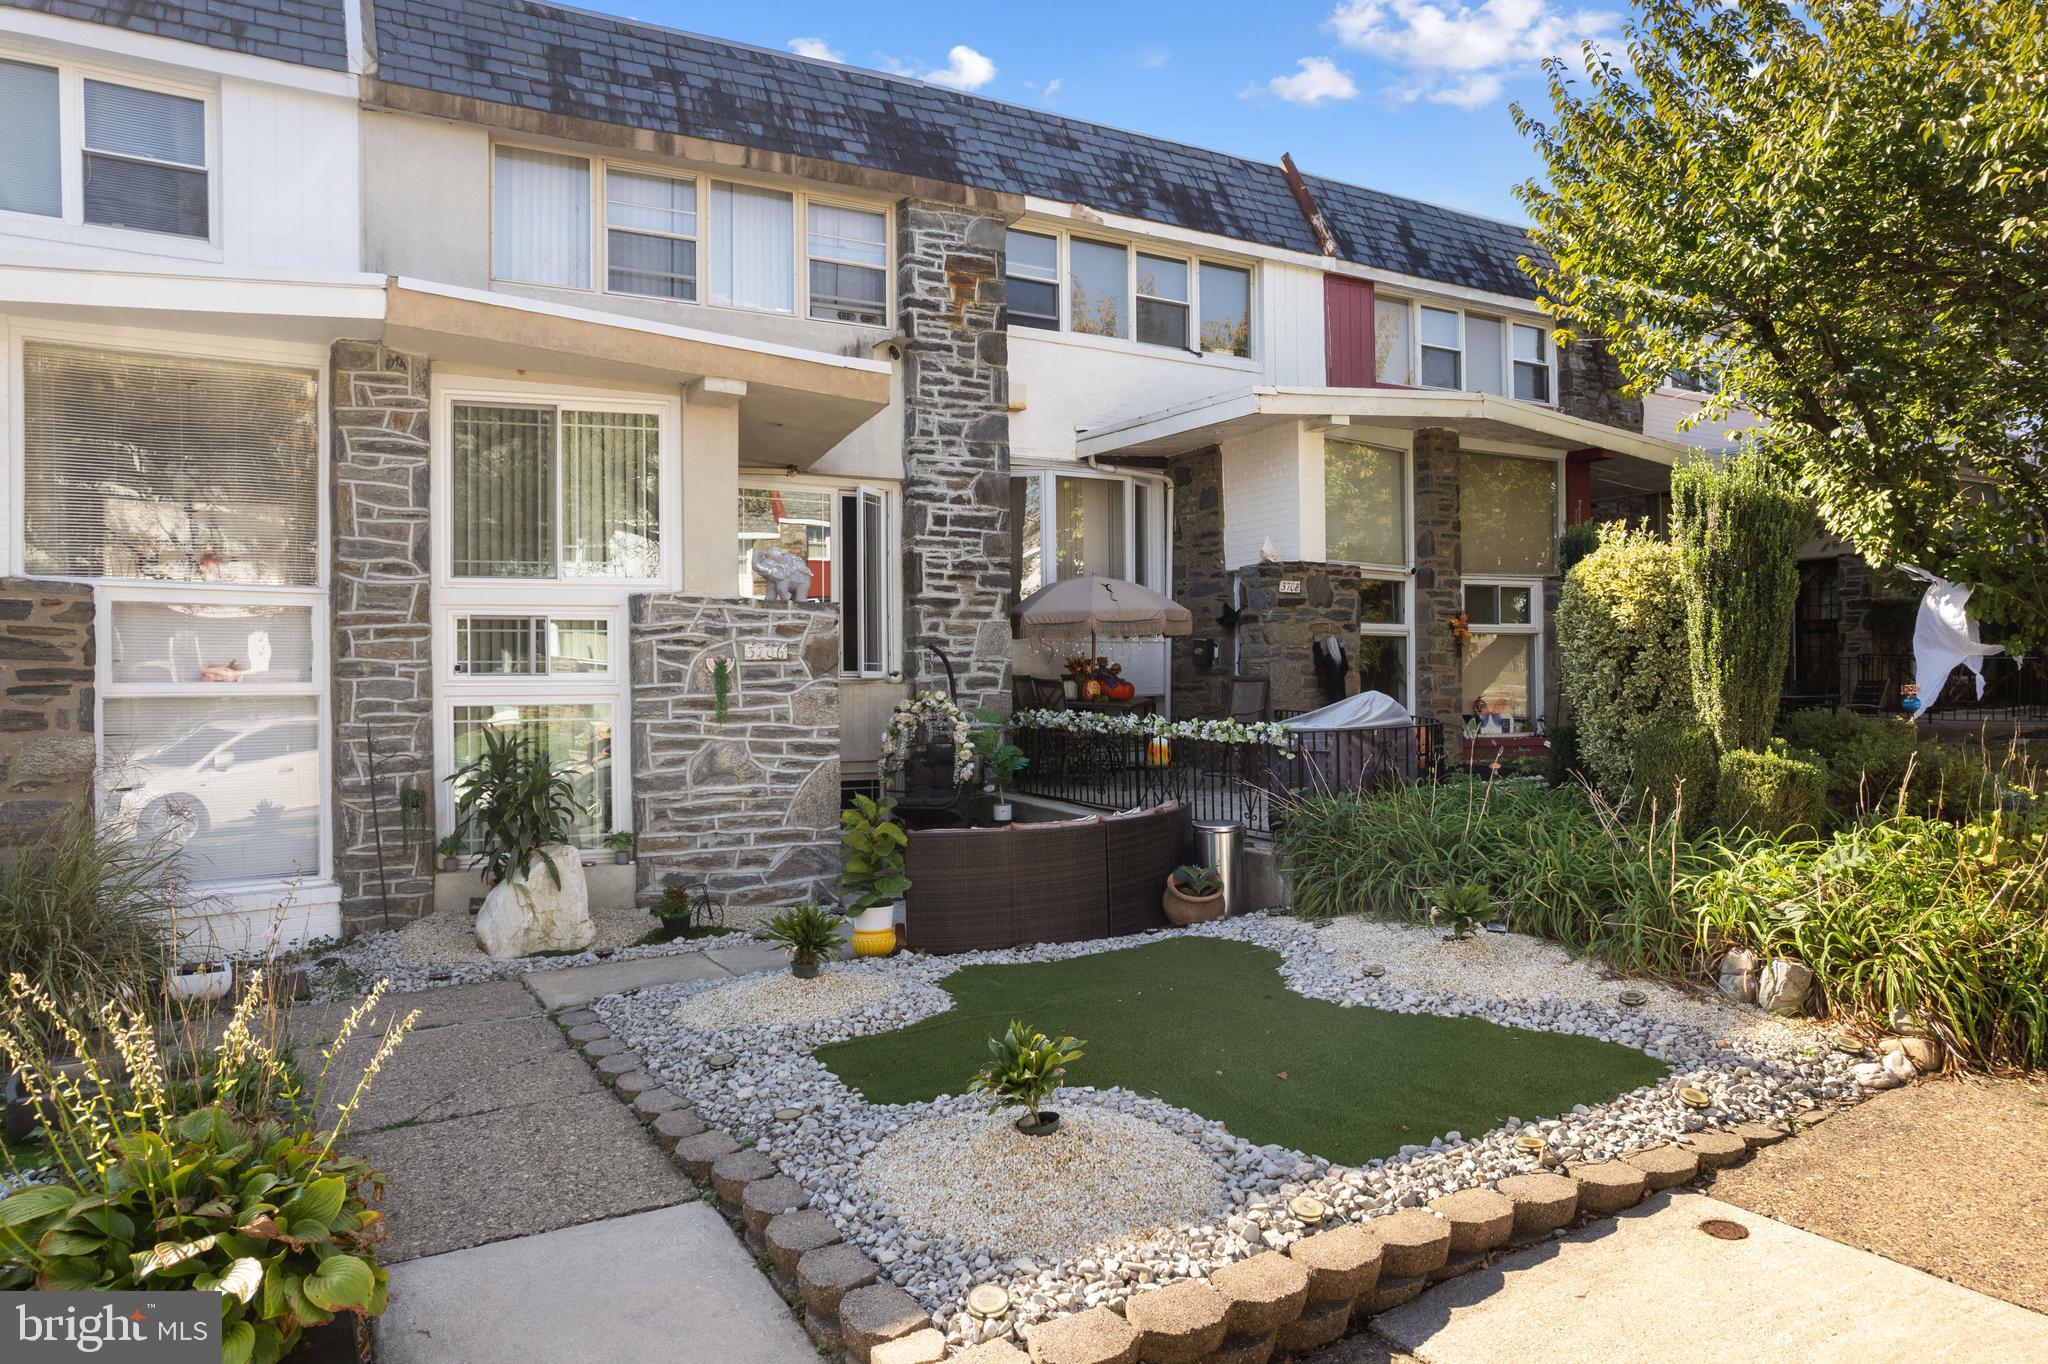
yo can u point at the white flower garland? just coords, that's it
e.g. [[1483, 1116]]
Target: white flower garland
[[1154, 727], [926, 712]]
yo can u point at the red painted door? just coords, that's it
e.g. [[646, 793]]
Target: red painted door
[[1347, 332]]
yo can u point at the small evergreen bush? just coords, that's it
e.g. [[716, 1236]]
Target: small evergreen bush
[[1676, 772], [1621, 633], [1773, 790]]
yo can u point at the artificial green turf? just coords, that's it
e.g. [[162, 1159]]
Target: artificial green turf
[[1208, 1025]]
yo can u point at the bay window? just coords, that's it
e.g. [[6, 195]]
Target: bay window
[[651, 234], [1096, 286], [553, 492], [842, 535], [848, 256], [1162, 301], [32, 158], [1032, 279], [1365, 504]]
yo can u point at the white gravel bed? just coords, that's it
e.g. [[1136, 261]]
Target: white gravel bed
[[1515, 966], [1102, 1176], [375, 956], [827, 1144], [448, 936], [778, 997]]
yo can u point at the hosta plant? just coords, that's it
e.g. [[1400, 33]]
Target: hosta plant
[[1025, 1070], [215, 1178]]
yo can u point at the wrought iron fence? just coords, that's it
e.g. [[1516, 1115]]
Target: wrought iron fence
[[2014, 688], [1216, 780]]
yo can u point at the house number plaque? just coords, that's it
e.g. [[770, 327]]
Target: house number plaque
[[1290, 587], [754, 651]]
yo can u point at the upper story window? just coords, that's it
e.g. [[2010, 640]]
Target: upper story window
[[1180, 302], [98, 152], [1431, 346], [547, 492], [1365, 504], [683, 237]]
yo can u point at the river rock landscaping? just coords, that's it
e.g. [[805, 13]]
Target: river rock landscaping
[[944, 1198]]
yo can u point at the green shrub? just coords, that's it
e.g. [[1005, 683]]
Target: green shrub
[[1676, 771], [1025, 1070], [1738, 529], [872, 843], [1621, 635], [1899, 917], [227, 1185], [1559, 864], [511, 806], [1562, 765], [1872, 762], [1774, 790], [86, 912], [809, 934], [1578, 540]]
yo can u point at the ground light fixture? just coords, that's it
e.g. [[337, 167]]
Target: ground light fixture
[[721, 1060], [1692, 1097], [988, 1300], [1531, 1143], [1307, 1209], [1634, 999]]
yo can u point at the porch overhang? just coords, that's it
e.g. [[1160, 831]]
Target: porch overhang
[[1481, 416]]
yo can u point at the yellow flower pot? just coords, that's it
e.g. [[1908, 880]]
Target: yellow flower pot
[[874, 932]]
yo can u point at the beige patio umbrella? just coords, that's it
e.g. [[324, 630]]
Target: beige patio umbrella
[[1105, 606]]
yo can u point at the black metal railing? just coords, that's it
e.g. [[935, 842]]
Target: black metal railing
[[1217, 780], [2014, 688]]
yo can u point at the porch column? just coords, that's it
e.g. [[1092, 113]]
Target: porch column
[[381, 659], [1439, 590]]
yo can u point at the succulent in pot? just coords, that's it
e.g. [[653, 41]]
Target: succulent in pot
[[809, 934], [1026, 1068], [450, 849], [1194, 895]]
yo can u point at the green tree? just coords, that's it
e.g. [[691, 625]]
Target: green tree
[[1738, 529], [1621, 642], [1839, 210]]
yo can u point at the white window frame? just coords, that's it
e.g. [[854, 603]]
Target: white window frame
[[1547, 345], [1048, 497], [613, 641], [1414, 303], [1063, 239], [892, 599], [1539, 686], [1405, 580], [70, 226], [884, 269], [800, 217], [605, 229]]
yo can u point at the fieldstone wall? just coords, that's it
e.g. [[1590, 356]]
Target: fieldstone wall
[[956, 451], [46, 705], [1589, 385], [745, 807], [382, 657], [1201, 582], [1439, 592], [1279, 634]]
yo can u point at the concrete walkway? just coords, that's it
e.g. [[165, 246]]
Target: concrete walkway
[[1652, 1286]]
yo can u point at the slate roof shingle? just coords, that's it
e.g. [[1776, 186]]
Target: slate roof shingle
[[302, 32]]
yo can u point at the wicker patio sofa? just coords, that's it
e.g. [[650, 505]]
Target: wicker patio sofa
[[1062, 881]]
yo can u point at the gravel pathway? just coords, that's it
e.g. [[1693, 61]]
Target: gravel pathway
[[763, 1000], [769, 1090]]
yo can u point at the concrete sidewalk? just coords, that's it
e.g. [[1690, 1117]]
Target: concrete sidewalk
[[1651, 1286]]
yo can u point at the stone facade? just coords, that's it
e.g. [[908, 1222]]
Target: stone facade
[[1280, 634], [1590, 384], [956, 451], [1439, 589], [382, 655], [744, 807], [1201, 582], [46, 705]]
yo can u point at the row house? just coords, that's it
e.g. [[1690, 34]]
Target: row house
[[379, 372]]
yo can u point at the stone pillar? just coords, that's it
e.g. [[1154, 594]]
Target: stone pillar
[[1439, 592], [956, 451], [382, 655], [744, 806], [46, 706], [1589, 385], [1201, 582], [1280, 633]]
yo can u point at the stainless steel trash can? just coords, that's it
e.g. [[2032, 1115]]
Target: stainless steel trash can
[[1220, 844]]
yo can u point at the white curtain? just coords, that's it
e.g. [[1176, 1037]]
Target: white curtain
[[1485, 343], [540, 218], [1090, 528], [29, 157], [753, 248], [503, 491]]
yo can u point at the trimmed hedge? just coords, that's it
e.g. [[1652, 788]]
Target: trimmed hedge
[[1621, 635], [1677, 770], [1771, 791]]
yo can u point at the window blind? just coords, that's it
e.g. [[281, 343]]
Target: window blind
[[142, 466], [753, 248], [503, 492], [610, 495], [30, 157], [145, 160], [540, 218], [651, 223], [158, 643], [576, 738], [1485, 344]]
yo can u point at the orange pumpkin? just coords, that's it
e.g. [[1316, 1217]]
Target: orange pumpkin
[[1090, 690], [1122, 691]]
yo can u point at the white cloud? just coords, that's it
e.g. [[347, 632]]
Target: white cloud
[[1450, 52], [1052, 87], [816, 48], [1152, 58], [965, 69], [1318, 79]]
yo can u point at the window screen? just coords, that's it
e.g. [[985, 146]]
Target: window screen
[[1508, 511], [162, 643], [149, 467], [1365, 509]]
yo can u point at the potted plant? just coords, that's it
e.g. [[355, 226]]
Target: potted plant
[[809, 934], [873, 879], [1075, 675], [678, 914], [1001, 761], [520, 815], [202, 980], [1463, 910], [450, 849], [1194, 895], [1025, 1069], [621, 844]]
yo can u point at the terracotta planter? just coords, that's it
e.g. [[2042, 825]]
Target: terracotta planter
[[1182, 910]]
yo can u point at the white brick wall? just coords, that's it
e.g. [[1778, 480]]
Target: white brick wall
[[1263, 486]]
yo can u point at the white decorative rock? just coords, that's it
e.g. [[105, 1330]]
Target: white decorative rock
[[1736, 975], [1871, 1075], [1898, 1066], [1783, 987], [530, 913]]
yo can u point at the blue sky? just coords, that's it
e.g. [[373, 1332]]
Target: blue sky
[[1409, 96]]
